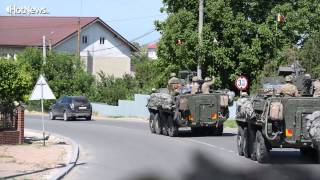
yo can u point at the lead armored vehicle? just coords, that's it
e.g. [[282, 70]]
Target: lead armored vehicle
[[269, 120], [202, 112]]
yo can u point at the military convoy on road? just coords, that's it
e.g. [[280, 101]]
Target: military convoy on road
[[271, 120], [204, 113]]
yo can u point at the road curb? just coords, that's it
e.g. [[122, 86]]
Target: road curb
[[73, 160]]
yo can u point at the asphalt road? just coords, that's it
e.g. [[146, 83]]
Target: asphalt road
[[125, 150]]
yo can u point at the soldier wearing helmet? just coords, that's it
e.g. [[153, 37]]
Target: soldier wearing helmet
[[173, 83], [208, 82], [316, 88], [195, 85], [289, 89]]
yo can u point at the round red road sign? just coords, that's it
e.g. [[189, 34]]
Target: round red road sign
[[242, 83]]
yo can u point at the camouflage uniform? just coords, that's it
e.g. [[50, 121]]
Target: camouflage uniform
[[195, 85], [288, 88], [208, 82], [316, 87], [173, 83]]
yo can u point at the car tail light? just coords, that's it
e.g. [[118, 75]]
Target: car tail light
[[289, 132], [190, 117], [72, 106], [214, 116]]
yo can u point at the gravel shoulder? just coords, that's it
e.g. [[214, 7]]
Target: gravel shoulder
[[34, 161]]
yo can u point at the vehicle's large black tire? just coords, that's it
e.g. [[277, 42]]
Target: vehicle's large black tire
[[219, 130], [157, 124], [89, 118], [240, 141], [307, 151], [152, 123], [262, 152], [195, 131], [318, 154], [173, 130], [246, 142], [252, 142], [52, 117], [164, 123]]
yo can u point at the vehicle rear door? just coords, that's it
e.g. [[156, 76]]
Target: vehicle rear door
[[206, 110], [81, 104]]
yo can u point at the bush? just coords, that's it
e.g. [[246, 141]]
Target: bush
[[15, 82], [110, 89]]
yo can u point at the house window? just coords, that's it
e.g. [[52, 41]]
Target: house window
[[101, 40], [84, 39]]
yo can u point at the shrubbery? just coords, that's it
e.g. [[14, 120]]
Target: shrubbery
[[65, 75], [15, 82]]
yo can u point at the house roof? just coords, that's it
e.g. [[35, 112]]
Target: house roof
[[152, 46], [28, 30]]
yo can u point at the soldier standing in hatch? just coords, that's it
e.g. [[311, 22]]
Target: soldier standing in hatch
[[208, 82], [173, 83], [316, 88], [289, 89], [195, 85]]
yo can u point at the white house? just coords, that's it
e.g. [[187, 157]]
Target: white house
[[152, 51], [101, 47]]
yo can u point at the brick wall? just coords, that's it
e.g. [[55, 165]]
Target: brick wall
[[14, 136], [9, 137], [20, 123]]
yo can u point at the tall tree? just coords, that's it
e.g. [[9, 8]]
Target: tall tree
[[240, 36], [310, 55]]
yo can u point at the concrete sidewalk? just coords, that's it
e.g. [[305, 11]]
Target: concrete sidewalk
[[35, 161]]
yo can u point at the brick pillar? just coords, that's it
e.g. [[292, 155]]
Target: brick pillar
[[20, 123]]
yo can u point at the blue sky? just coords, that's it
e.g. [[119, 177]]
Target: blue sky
[[131, 18]]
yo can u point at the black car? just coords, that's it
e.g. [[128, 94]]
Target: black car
[[71, 107]]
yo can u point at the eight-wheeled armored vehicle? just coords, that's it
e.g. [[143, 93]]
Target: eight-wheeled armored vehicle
[[201, 112], [270, 120]]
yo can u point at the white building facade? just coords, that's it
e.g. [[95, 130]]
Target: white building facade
[[101, 47]]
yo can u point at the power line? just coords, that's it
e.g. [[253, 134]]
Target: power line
[[135, 18], [119, 45]]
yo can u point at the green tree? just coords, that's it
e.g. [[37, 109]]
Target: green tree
[[110, 89], [66, 75], [15, 82], [32, 59], [151, 73], [310, 55], [239, 37]]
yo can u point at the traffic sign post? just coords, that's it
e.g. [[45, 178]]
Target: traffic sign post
[[241, 83], [40, 92]]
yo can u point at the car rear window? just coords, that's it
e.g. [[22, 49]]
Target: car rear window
[[80, 100]]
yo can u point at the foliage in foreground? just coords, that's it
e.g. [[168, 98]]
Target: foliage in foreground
[[15, 82], [239, 37]]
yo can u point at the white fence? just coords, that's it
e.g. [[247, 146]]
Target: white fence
[[125, 108], [135, 108]]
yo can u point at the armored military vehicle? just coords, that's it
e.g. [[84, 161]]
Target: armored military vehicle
[[269, 120], [201, 112]]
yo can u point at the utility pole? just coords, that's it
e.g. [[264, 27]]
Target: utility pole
[[44, 54], [200, 56], [79, 31], [50, 46]]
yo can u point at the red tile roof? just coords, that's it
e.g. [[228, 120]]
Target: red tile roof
[[152, 46], [28, 30]]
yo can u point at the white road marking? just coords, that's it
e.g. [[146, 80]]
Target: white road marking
[[203, 143], [210, 145]]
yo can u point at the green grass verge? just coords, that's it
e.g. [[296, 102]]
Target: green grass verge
[[230, 123]]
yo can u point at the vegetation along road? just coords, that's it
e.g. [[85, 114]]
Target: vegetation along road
[[112, 149]]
